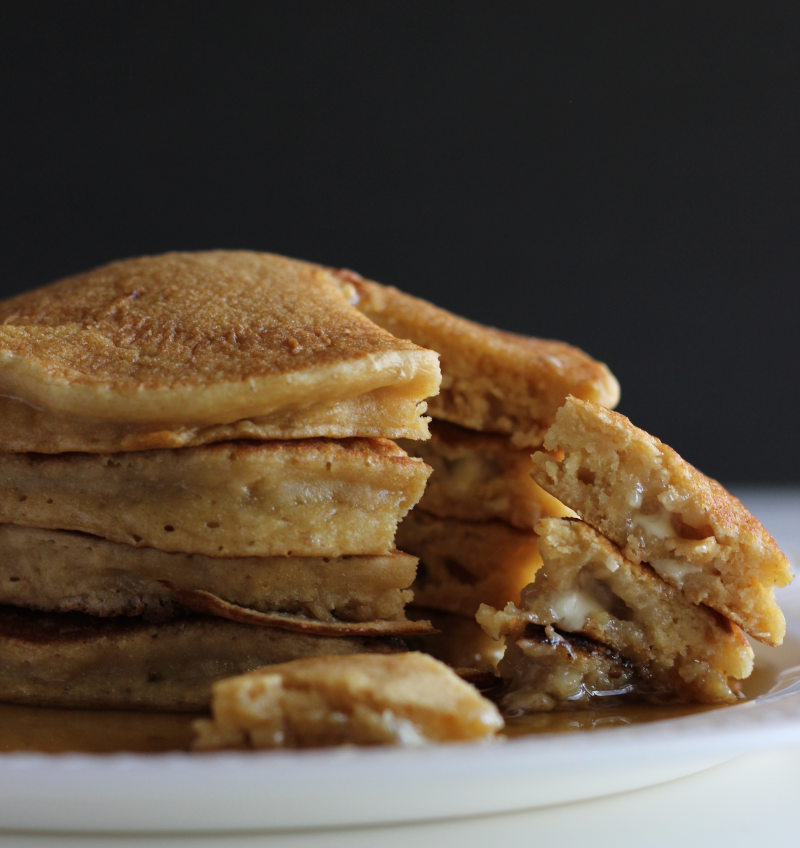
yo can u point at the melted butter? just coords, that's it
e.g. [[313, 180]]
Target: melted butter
[[659, 526], [674, 570], [571, 609]]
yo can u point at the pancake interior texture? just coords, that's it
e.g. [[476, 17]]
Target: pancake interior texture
[[302, 497], [185, 348], [466, 563], [406, 699], [586, 586], [58, 571], [662, 511], [481, 477]]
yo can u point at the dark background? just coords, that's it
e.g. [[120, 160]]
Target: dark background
[[621, 176]]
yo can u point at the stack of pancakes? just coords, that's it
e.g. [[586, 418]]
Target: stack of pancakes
[[473, 529], [197, 478], [650, 591]]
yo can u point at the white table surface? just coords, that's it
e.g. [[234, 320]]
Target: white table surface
[[753, 800]]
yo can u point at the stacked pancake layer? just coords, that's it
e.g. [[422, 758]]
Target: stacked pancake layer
[[651, 592], [473, 529], [198, 478]]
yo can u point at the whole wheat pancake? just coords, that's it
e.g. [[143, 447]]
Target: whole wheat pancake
[[187, 348], [491, 380], [466, 563], [586, 586], [70, 660], [58, 571], [301, 497], [480, 477], [398, 699], [662, 511]]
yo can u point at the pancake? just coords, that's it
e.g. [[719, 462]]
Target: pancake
[[302, 497], [70, 660], [480, 477], [586, 586], [466, 563], [187, 348], [58, 571], [662, 511], [398, 699], [544, 670], [492, 380]]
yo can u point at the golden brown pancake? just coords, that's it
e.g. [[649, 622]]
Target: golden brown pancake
[[466, 563], [58, 571], [492, 380], [71, 660], [300, 497], [662, 511], [187, 348], [480, 477], [398, 699], [586, 586]]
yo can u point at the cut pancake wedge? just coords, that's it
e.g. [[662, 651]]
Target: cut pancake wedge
[[586, 586], [662, 511], [397, 699], [492, 380]]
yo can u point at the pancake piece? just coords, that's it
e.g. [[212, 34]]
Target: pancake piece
[[662, 511], [544, 670], [466, 563], [302, 497], [492, 380], [480, 477], [71, 660], [586, 586], [187, 348], [399, 699], [59, 571]]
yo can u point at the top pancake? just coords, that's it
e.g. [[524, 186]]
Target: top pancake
[[187, 348], [492, 380]]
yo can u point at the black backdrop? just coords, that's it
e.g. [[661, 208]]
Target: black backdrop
[[623, 176]]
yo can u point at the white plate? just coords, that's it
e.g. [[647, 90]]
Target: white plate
[[230, 792]]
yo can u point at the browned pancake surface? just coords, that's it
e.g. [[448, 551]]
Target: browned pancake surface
[[492, 380], [200, 339]]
